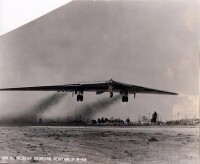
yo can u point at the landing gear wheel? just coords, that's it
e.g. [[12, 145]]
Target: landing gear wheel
[[81, 97], [78, 97], [124, 98]]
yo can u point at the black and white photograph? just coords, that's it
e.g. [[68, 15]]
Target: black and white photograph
[[99, 81]]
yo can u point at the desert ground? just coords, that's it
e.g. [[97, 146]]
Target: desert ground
[[39, 144]]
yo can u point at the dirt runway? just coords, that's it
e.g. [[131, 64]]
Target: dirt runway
[[99, 144]]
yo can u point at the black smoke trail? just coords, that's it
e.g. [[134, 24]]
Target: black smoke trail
[[46, 103], [31, 114], [89, 110]]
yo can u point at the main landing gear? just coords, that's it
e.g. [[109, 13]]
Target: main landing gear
[[124, 98], [80, 96]]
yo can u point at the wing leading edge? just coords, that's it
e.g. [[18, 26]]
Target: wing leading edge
[[110, 86]]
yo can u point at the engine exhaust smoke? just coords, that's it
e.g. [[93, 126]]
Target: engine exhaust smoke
[[31, 114], [89, 110], [46, 103]]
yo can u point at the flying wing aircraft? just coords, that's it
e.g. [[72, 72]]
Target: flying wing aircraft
[[109, 86]]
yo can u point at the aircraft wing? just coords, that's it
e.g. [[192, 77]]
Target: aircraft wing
[[99, 87], [110, 86], [95, 86], [144, 90]]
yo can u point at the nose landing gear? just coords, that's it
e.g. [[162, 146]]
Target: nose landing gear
[[110, 89], [111, 94]]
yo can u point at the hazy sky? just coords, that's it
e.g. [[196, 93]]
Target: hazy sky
[[147, 43], [24, 11]]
